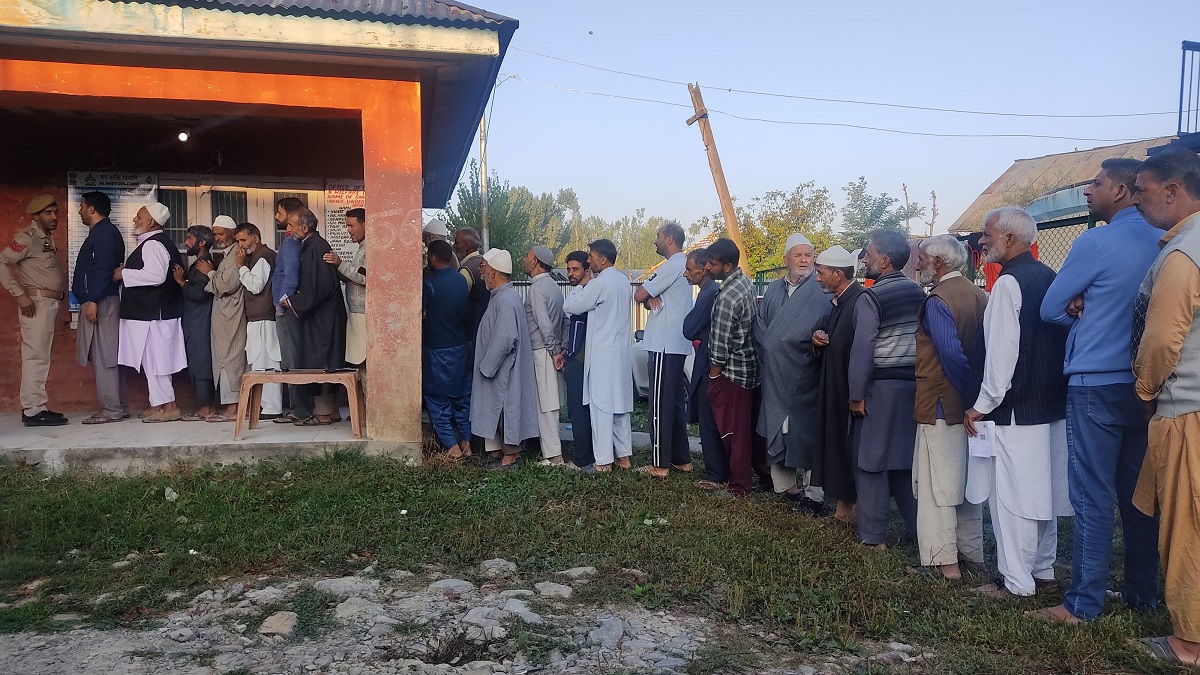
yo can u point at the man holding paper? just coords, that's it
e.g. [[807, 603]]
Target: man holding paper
[[1025, 393], [949, 362]]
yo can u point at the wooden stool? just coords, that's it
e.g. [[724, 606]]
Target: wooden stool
[[250, 399]]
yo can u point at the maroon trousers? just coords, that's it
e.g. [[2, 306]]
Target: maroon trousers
[[734, 408]]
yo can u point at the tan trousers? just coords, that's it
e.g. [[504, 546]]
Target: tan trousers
[[37, 337], [1169, 484], [948, 526]]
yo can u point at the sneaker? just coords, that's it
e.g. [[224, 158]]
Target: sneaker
[[43, 419]]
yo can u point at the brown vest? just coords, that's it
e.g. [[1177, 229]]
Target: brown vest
[[260, 306], [966, 302]]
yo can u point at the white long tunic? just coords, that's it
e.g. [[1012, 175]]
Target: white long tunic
[[1029, 471], [607, 362], [155, 346]]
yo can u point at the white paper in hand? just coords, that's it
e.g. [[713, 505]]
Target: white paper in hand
[[983, 445]]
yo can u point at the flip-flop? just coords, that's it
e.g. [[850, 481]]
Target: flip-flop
[[192, 417], [161, 417], [313, 421], [217, 419], [680, 467], [100, 419], [1160, 649], [649, 471], [286, 419], [709, 486]]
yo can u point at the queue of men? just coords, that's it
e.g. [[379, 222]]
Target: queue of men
[[225, 305]]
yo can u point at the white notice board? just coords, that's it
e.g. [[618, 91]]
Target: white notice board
[[340, 197], [127, 191]]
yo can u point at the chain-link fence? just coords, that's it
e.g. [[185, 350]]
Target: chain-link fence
[[1054, 242]]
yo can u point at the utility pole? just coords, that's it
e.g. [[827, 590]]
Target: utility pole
[[483, 190], [714, 163]]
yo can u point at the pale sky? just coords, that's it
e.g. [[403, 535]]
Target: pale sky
[[1036, 57]]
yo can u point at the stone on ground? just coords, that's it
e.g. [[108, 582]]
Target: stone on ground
[[279, 623]]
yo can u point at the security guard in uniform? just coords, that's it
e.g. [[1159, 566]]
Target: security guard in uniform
[[38, 287]]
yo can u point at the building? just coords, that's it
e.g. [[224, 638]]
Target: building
[[223, 107]]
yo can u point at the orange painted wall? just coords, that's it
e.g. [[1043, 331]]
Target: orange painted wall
[[391, 145]]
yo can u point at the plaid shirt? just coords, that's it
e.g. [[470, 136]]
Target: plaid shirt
[[730, 345]]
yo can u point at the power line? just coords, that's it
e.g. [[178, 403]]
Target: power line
[[845, 125], [901, 106]]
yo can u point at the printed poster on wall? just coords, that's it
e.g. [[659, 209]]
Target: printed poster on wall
[[340, 197], [127, 191]]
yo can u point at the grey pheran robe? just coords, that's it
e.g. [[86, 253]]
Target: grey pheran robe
[[502, 384], [791, 372]]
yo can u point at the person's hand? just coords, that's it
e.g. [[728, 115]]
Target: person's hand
[[285, 302], [177, 272], [559, 361], [587, 276], [27, 305], [858, 408], [654, 304], [969, 419], [1150, 408], [239, 255], [332, 258], [1075, 307], [117, 272], [204, 266], [714, 372], [89, 311], [820, 338]]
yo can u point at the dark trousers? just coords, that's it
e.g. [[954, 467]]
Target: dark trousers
[[668, 411], [205, 389], [580, 416], [288, 328], [876, 489], [716, 459], [733, 409], [1106, 442]]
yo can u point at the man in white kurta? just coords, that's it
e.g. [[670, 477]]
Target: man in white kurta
[[256, 263], [151, 330], [606, 296], [1024, 392]]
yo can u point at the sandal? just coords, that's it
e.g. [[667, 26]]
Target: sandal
[[313, 421], [685, 468], [193, 417], [289, 418], [1160, 649], [162, 416], [709, 486], [101, 419], [218, 418]]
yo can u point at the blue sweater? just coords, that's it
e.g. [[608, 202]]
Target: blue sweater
[[1106, 265], [286, 275]]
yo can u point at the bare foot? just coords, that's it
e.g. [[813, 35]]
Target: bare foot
[[1055, 614], [1188, 652], [601, 468], [951, 572], [624, 463]]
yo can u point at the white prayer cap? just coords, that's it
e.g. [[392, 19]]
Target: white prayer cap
[[436, 227], [837, 256], [159, 212], [224, 222], [795, 240], [499, 260]]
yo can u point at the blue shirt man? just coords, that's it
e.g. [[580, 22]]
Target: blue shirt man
[[1094, 294]]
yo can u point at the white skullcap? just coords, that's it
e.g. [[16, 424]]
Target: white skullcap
[[159, 212], [499, 260], [436, 227], [837, 256], [224, 222], [795, 240]]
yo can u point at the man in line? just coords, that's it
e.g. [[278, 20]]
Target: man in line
[[571, 363], [949, 363], [696, 327], [256, 267], [38, 287], [668, 296], [197, 320], [733, 367], [791, 310], [466, 245], [544, 316], [447, 371], [317, 303], [228, 320], [1167, 367], [883, 389], [604, 295], [1025, 394], [1106, 429], [503, 392], [287, 275], [98, 295], [354, 273], [151, 333], [833, 468]]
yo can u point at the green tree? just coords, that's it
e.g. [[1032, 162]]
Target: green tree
[[865, 212], [508, 212]]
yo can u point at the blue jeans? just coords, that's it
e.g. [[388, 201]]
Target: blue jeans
[[1106, 442]]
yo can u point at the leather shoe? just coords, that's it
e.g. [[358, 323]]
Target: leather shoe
[[43, 419]]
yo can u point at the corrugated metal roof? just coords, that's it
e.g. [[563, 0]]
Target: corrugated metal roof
[[1028, 179], [434, 12]]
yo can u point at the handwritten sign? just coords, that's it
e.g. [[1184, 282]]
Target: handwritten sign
[[340, 197]]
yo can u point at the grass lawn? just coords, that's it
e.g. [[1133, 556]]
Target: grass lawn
[[747, 561]]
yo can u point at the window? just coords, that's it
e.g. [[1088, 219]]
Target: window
[[177, 201], [230, 203]]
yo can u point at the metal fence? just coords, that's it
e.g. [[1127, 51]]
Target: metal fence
[[1054, 242]]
